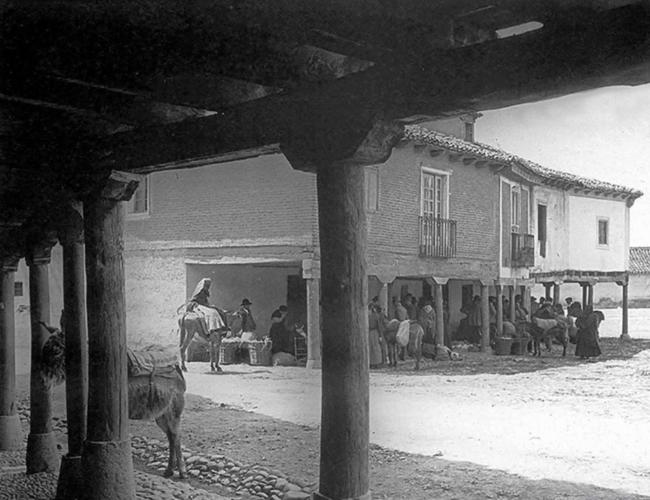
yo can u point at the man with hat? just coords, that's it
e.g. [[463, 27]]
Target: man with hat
[[247, 321]]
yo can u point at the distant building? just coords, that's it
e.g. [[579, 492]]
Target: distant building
[[639, 287]]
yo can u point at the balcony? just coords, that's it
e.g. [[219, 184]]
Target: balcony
[[523, 250], [437, 237]]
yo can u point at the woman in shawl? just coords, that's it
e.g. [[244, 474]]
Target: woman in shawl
[[587, 341], [200, 303]]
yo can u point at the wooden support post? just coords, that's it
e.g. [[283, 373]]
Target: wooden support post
[[76, 350], [11, 434], [624, 331], [499, 310], [440, 317], [485, 318], [590, 298], [314, 323], [547, 287], [42, 454], [344, 285], [584, 294], [106, 461], [513, 307], [556, 293], [527, 301]]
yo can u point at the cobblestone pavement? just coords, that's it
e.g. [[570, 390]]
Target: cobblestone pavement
[[242, 481], [16, 485]]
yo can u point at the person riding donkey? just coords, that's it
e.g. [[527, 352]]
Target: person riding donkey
[[214, 317]]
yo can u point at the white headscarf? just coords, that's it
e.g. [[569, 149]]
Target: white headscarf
[[201, 285]]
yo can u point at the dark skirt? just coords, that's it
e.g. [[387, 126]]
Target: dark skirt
[[587, 345]]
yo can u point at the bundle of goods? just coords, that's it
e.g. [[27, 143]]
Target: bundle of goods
[[260, 352], [228, 351]]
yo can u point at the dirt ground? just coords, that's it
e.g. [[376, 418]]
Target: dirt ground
[[290, 444]]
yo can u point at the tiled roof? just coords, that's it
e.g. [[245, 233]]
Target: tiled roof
[[490, 153], [639, 260]]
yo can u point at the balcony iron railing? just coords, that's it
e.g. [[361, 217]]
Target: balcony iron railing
[[523, 250], [437, 237]]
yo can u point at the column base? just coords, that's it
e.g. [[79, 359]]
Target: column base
[[42, 453], [319, 496], [70, 482], [313, 364], [11, 433], [625, 336], [107, 469]]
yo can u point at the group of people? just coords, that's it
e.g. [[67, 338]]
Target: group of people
[[405, 308], [242, 323]]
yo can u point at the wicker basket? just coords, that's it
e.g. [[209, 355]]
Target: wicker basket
[[227, 353], [260, 353]]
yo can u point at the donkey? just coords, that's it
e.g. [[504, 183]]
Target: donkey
[[159, 396], [191, 323], [388, 330], [548, 330]]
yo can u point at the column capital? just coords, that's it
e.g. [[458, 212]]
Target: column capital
[[385, 278], [38, 248], [115, 185], [310, 269]]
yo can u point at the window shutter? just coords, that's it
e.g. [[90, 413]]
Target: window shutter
[[524, 228], [505, 224]]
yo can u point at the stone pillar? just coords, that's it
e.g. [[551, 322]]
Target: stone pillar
[[513, 308], [314, 323], [76, 349], [547, 288], [440, 317], [344, 285], [556, 293], [106, 462], [11, 433], [485, 318], [499, 310], [42, 454], [383, 297], [624, 331]]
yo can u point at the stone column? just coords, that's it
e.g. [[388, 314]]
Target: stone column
[[485, 318], [440, 314], [42, 454], [11, 434], [383, 297], [556, 293], [106, 461], [513, 308], [547, 288], [499, 310], [345, 386], [76, 349], [312, 274], [624, 327]]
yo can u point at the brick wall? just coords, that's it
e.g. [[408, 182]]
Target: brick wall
[[393, 236], [260, 198]]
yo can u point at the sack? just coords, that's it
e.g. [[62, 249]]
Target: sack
[[403, 333]]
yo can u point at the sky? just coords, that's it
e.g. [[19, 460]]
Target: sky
[[602, 133]]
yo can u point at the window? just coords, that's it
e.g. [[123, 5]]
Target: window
[[372, 189], [515, 208], [541, 229], [139, 202], [469, 132], [603, 232], [434, 194], [18, 288]]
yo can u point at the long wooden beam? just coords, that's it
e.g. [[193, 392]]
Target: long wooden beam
[[330, 119]]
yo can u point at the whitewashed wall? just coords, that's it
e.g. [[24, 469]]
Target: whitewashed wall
[[557, 227], [584, 251]]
